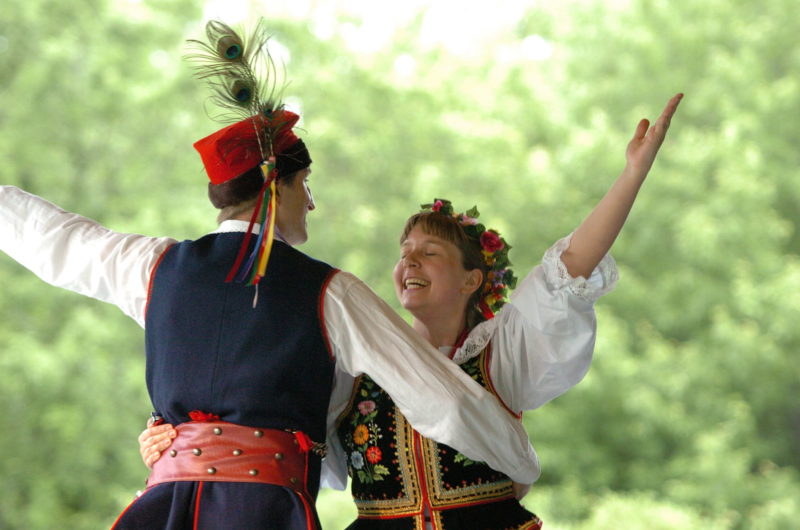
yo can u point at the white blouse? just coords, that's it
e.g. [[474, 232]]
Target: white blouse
[[438, 398]]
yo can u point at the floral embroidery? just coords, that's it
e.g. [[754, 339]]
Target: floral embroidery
[[463, 460], [361, 435], [365, 407], [362, 442], [389, 470], [373, 455], [357, 460]]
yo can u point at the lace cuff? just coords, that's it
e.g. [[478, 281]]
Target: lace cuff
[[602, 280]]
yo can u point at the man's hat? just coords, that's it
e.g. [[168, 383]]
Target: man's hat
[[242, 75], [235, 149]]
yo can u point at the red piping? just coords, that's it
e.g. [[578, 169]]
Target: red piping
[[153, 277], [197, 506], [490, 385]]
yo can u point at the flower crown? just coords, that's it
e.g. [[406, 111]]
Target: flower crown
[[494, 249]]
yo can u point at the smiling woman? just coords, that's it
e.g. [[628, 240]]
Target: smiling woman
[[439, 263]]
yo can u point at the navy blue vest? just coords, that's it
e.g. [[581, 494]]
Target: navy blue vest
[[208, 349]]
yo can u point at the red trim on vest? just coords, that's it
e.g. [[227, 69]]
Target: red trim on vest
[[153, 277], [197, 506], [321, 312], [490, 385]]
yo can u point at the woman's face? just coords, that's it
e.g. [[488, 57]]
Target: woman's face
[[429, 278]]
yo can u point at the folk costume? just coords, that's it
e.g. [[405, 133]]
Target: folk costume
[[536, 348], [253, 363]]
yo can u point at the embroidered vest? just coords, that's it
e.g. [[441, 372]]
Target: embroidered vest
[[397, 473]]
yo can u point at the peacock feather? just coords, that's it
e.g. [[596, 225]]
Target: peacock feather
[[242, 75]]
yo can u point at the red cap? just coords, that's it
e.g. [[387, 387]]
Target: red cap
[[231, 151]]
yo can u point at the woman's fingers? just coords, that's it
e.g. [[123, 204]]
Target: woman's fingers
[[669, 111], [153, 441]]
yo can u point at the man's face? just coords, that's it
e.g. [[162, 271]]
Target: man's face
[[294, 203]]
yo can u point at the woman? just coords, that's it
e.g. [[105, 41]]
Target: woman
[[451, 276]]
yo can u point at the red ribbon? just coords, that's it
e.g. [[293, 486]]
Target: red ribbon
[[304, 441], [485, 310], [199, 415]]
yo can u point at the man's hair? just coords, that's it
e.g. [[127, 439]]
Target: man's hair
[[241, 193]]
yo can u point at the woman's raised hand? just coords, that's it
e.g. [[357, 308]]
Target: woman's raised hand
[[644, 145]]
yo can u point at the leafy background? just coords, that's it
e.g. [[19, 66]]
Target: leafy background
[[690, 416]]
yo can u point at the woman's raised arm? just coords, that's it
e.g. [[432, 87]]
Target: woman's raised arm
[[594, 237]]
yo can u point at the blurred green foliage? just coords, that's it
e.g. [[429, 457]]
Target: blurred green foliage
[[690, 416]]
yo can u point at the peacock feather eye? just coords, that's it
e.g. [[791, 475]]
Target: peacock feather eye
[[229, 47], [241, 91], [233, 52], [243, 95]]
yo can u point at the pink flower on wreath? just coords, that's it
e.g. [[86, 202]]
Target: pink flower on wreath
[[365, 407], [491, 242], [437, 205], [373, 455], [466, 220]]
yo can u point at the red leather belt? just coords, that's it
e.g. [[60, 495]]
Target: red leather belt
[[219, 451]]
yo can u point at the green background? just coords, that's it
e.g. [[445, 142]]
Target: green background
[[690, 415]]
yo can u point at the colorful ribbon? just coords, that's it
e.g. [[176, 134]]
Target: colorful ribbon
[[265, 210]]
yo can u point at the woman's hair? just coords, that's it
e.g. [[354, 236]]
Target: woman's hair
[[241, 193], [449, 229]]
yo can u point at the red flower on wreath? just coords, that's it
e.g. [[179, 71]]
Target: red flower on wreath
[[373, 455], [437, 205], [491, 242]]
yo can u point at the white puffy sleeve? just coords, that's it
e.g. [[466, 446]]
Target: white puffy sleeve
[[76, 253], [543, 339], [433, 393]]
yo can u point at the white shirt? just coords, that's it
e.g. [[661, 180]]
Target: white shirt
[[366, 335]]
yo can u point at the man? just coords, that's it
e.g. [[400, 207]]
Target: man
[[254, 375]]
